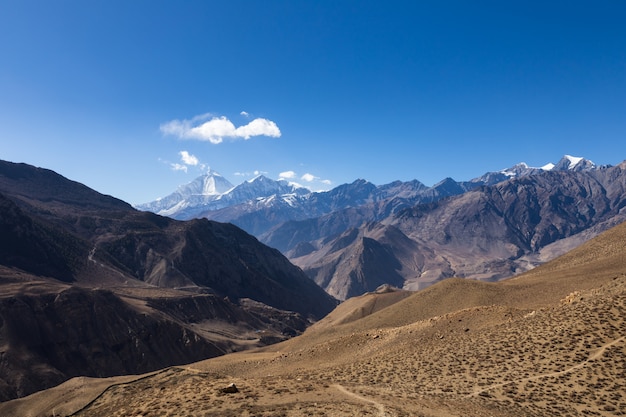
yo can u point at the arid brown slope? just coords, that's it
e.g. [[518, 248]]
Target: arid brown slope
[[89, 286], [548, 343]]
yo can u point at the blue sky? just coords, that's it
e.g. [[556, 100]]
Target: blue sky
[[134, 98]]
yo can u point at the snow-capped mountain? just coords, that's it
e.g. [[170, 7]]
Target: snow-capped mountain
[[201, 190], [490, 227], [517, 170], [212, 191], [261, 203], [573, 163], [567, 163], [261, 187]]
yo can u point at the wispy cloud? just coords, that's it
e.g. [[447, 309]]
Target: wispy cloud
[[214, 129], [254, 173], [313, 182], [308, 177], [179, 167], [287, 175], [188, 159]]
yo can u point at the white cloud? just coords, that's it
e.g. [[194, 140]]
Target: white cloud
[[287, 175], [216, 129], [254, 173], [179, 167], [258, 127], [309, 177], [298, 185], [188, 159], [245, 114]]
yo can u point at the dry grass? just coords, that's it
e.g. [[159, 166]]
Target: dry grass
[[549, 343]]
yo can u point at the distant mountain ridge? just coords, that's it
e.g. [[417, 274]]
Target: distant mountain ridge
[[489, 233], [212, 191], [260, 204], [357, 236]]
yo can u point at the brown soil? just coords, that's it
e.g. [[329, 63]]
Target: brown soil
[[549, 343]]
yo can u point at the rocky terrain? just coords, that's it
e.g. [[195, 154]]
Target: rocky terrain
[[357, 236], [90, 286], [489, 233], [550, 342]]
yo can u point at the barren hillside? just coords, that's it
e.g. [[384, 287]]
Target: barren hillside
[[547, 343]]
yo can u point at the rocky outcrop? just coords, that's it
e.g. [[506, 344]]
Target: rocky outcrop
[[490, 233], [49, 338]]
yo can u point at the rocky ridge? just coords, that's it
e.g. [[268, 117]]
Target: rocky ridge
[[91, 286], [490, 233]]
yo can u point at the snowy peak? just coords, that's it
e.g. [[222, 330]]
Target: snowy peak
[[211, 192], [262, 186], [491, 178], [567, 163], [260, 179], [206, 187], [574, 163], [211, 183], [518, 170]]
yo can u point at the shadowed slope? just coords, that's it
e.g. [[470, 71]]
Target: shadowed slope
[[547, 343], [104, 238], [90, 286]]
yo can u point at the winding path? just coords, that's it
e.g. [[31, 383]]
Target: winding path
[[379, 406], [594, 356]]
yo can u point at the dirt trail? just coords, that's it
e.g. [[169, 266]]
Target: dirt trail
[[379, 406], [593, 356]]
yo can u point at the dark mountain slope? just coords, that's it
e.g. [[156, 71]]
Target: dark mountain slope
[[158, 250], [90, 286], [362, 259], [50, 338], [37, 247], [219, 257], [529, 212], [43, 187]]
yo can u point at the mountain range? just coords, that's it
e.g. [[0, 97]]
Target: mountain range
[[549, 342], [259, 204], [357, 236], [90, 286]]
